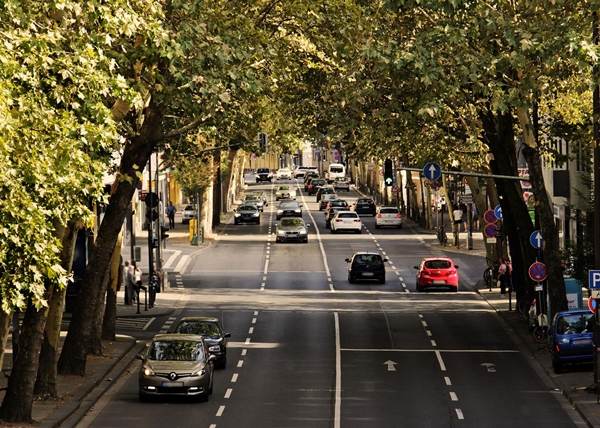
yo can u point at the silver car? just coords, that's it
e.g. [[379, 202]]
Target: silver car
[[255, 199], [176, 365], [292, 229]]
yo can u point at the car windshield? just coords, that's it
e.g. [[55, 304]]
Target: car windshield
[[368, 259], [262, 170], [337, 203], [203, 328], [364, 202], [437, 264], [576, 323], [389, 211], [348, 215], [291, 222], [289, 206], [248, 208], [188, 208], [251, 197], [176, 350], [318, 182], [284, 187]]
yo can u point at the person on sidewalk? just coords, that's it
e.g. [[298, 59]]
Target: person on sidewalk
[[171, 215], [504, 276], [137, 279], [127, 281]]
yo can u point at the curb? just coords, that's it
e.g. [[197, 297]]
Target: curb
[[536, 365], [74, 410]]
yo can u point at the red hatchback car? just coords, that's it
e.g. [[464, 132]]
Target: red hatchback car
[[437, 272]]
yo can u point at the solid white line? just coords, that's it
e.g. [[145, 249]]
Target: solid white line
[[459, 414], [254, 320], [183, 262], [244, 352], [234, 378], [228, 392], [453, 396], [220, 411], [447, 380], [338, 374], [172, 259], [449, 351], [251, 330], [323, 254], [440, 361]]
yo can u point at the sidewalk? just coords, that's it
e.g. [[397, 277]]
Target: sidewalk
[[76, 392], [572, 384]]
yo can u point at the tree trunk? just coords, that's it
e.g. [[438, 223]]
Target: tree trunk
[[499, 136], [18, 401], [135, 157], [109, 319], [217, 189], [555, 283], [94, 344], [229, 184], [45, 384], [5, 319], [481, 204]]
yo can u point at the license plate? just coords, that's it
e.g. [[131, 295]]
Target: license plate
[[439, 281], [172, 384], [368, 274]]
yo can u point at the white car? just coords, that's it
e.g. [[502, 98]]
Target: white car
[[346, 220], [285, 192], [283, 174], [188, 213], [388, 216], [300, 172]]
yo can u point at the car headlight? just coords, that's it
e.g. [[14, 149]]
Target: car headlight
[[199, 372], [564, 340], [279, 211], [303, 232], [148, 371], [255, 214], [236, 214], [215, 348], [298, 210]]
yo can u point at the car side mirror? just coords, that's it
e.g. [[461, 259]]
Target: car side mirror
[[227, 335], [308, 225], [140, 357], [386, 260], [347, 260]]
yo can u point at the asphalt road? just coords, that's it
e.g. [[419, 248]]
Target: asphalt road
[[308, 349]]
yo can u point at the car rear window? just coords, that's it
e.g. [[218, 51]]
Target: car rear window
[[318, 182], [336, 169], [339, 203], [368, 259], [575, 324], [262, 170], [389, 211], [348, 215], [364, 202], [292, 222], [437, 264], [188, 208]]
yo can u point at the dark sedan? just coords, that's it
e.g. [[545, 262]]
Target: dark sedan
[[366, 266], [292, 229], [365, 206], [212, 332], [247, 213], [315, 184], [289, 208], [324, 190], [330, 213]]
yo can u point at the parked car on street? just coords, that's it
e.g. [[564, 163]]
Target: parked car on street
[[289, 208], [292, 229], [570, 337], [285, 192], [188, 213], [283, 174], [325, 199], [346, 220], [264, 174], [366, 266], [365, 206], [212, 332], [246, 213], [437, 272], [388, 217], [176, 364]]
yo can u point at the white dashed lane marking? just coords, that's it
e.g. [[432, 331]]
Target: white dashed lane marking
[[220, 411], [228, 392], [234, 378], [453, 396]]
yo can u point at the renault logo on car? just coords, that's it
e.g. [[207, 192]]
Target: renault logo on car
[[172, 375]]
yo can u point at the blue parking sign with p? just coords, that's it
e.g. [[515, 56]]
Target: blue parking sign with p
[[594, 278]]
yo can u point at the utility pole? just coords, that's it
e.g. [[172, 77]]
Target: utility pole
[[150, 224], [596, 121]]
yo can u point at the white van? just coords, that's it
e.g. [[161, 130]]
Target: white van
[[335, 171]]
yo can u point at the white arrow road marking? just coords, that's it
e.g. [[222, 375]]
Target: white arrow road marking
[[391, 365], [490, 367]]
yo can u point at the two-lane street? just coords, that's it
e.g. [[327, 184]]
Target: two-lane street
[[309, 349]]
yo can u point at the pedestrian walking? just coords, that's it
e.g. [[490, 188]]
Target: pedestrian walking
[[475, 215], [137, 279], [463, 208], [504, 276], [171, 215], [128, 282]]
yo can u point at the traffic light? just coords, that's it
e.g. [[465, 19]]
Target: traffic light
[[263, 141], [151, 201], [388, 172]]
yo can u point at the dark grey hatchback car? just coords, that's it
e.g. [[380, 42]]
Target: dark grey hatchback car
[[366, 266], [212, 332]]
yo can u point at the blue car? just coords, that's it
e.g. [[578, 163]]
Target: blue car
[[570, 338]]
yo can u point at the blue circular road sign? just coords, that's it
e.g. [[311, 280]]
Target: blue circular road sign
[[536, 240], [498, 212], [538, 272], [432, 171]]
